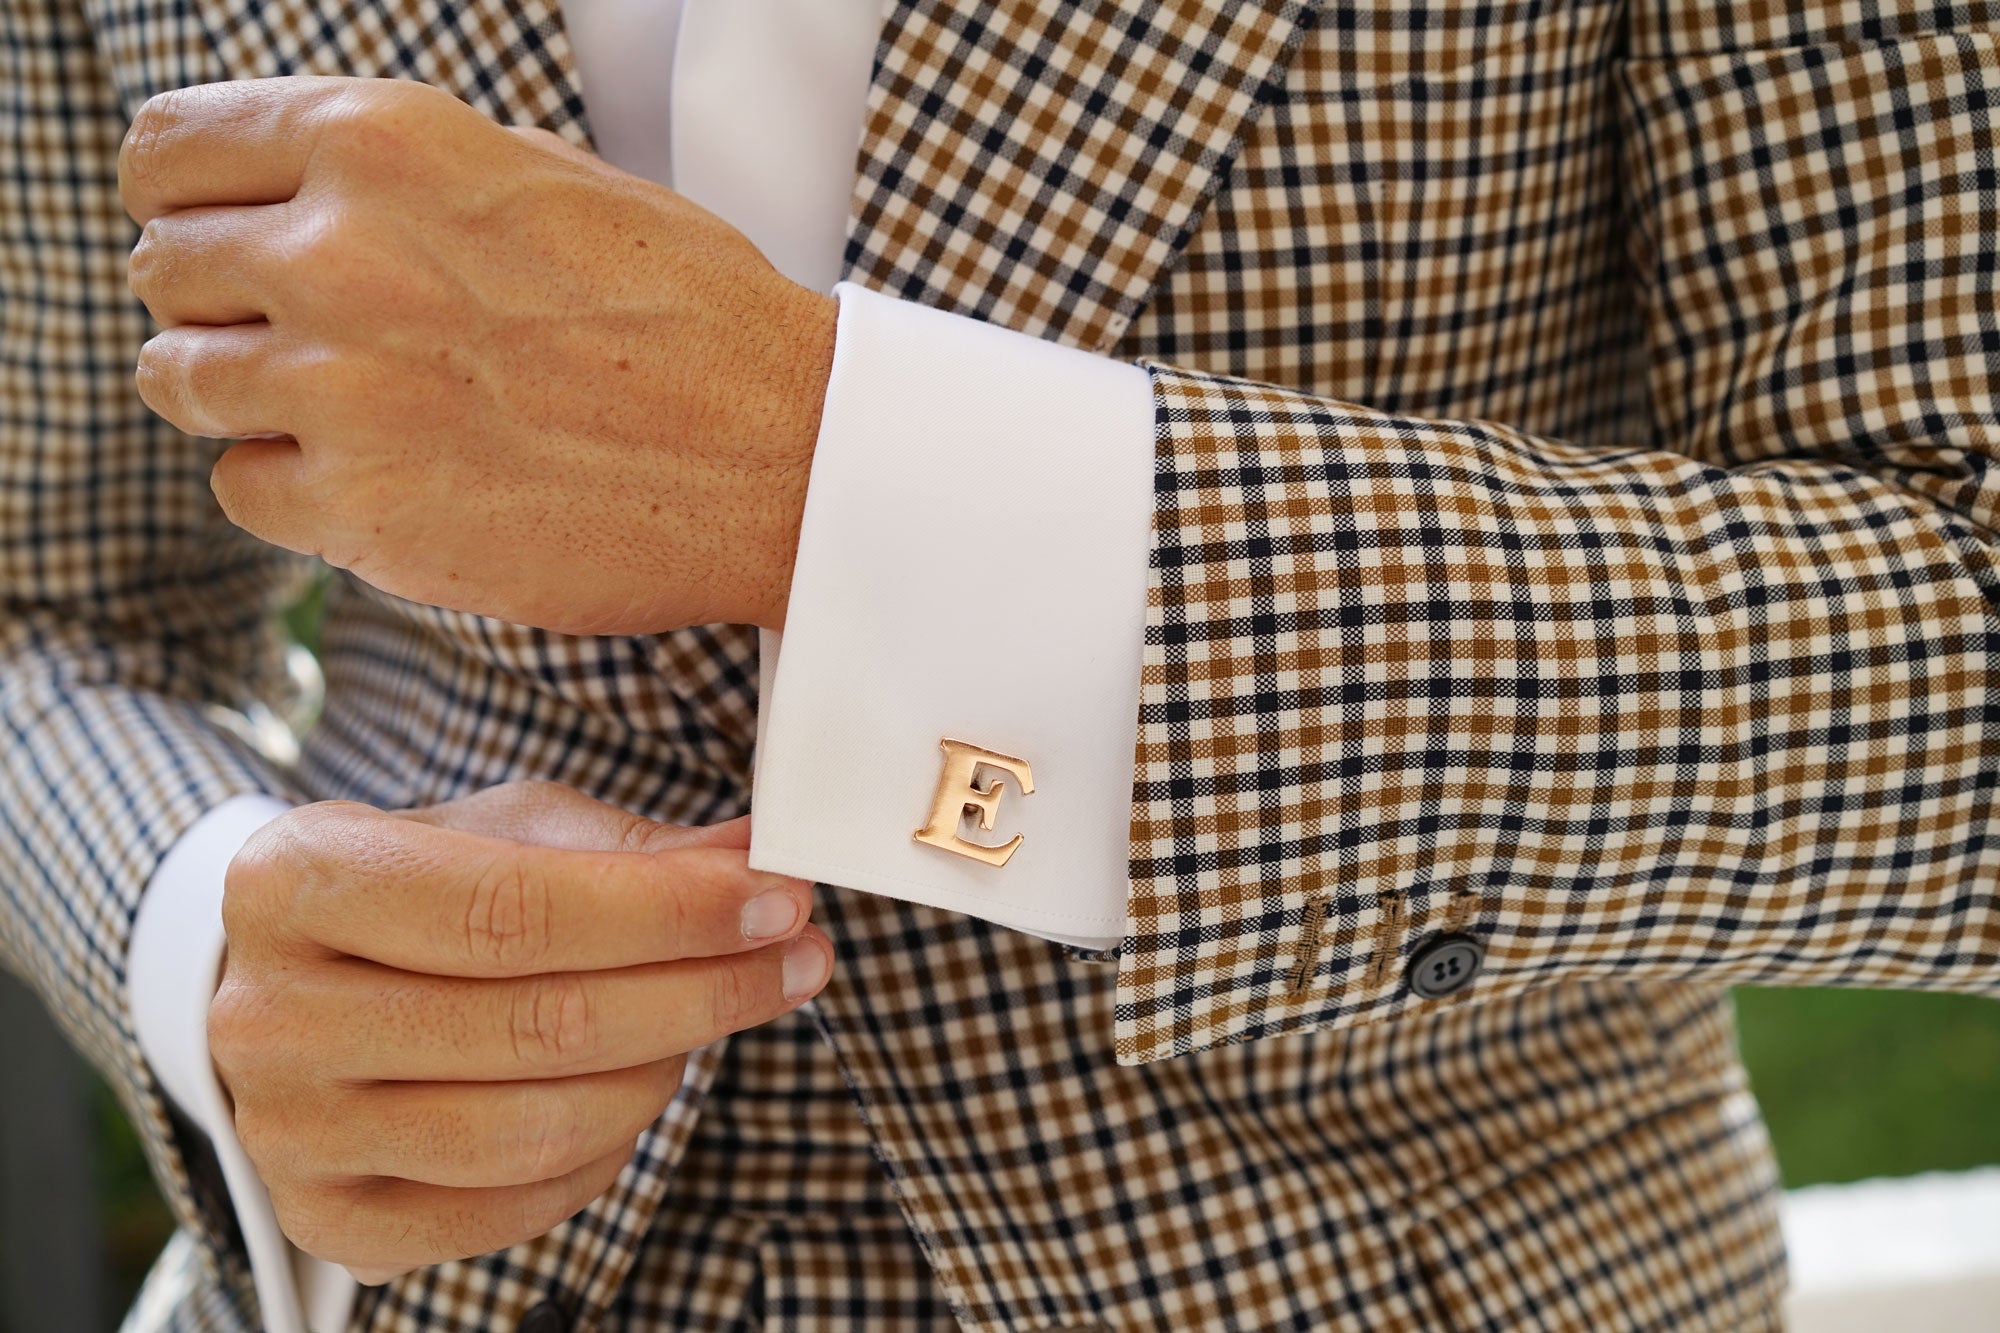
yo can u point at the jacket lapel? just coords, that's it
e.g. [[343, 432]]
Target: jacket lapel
[[1037, 163], [509, 58], [1032, 162]]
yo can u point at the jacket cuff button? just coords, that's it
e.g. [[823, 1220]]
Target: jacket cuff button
[[544, 1317], [1444, 965]]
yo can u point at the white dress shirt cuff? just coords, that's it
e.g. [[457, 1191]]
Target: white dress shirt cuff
[[172, 968], [972, 564]]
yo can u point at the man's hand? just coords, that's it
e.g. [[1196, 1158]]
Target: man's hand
[[477, 367], [444, 1030]]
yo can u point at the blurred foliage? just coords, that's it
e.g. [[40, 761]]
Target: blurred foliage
[[136, 1221], [303, 617], [1853, 1083], [1874, 1083]]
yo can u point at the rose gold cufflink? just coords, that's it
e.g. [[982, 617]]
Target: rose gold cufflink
[[959, 793]]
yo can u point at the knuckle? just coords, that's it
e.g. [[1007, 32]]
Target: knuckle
[[148, 273], [333, 1131], [536, 134], [278, 855], [335, 262], [345, 122], [328, 1218], [541, 1207], [505, 919], [310, 235], [155, 379], [176, 379], [319, 838], [151, 131], [380, 121], [311, 1220], [314, 248], [340, 1223], [512, 802], [525, 791], [414, 105], [256, 876], [636, 833], [246, 1030], [741, 996], [551, 1129], [677, 917], [228, 1030], [423, 1130], [289, 872], [231, 496], [321, 818], [205, 376], [265, 1136], [551, 1020]]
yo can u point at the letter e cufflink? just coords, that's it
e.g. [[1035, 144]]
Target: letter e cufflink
[[959, 794]]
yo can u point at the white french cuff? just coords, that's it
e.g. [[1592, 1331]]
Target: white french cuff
[[171, 972], [972, 567]]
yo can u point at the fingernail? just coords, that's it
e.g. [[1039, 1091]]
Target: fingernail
[[806, 966], [770, 914]]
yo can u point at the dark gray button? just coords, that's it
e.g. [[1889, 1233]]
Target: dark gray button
[[546, 1317], [1445, 965]]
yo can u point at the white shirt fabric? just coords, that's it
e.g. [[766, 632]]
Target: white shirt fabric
[[972, 562]]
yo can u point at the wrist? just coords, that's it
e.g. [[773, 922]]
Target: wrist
[[805, 326]]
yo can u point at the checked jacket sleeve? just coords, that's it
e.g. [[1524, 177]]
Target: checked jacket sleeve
[[135, 623], [1722, 703]]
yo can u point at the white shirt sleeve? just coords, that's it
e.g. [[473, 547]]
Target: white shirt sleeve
[[972, 564], [172, 968]]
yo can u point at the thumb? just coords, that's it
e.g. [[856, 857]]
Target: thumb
[[549, 814]]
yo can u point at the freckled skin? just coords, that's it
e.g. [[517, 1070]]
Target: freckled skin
[[468, 391], [442, 1030]]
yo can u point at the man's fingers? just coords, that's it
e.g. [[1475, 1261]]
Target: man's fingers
[[223, 383], [243, 142], [380, 1229], [447, 902], [390, 1025], [256, 141], [207, 265], [478, 1135]]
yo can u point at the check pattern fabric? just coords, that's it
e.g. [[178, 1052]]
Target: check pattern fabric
[[1709, 699], [1574, 531]]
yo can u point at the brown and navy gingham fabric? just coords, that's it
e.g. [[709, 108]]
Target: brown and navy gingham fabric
[[1712, 699], [1574, 423]]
